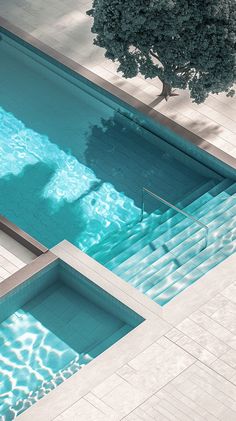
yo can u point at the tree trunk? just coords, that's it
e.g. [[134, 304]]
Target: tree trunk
[[167, 91]]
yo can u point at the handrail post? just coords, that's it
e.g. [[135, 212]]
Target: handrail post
[[142, 205], [206, 237], [187, 215]]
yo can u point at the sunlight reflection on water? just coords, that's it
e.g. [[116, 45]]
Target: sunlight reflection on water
[[33, 362], [98, 204]]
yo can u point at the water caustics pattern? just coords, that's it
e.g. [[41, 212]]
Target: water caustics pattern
[[33, 362], [101, 207]]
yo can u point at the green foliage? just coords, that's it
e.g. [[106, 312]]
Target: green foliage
[[186, 43]]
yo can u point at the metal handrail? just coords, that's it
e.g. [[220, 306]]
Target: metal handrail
[[205, 227]]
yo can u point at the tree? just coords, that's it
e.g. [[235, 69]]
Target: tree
[[185, 43]]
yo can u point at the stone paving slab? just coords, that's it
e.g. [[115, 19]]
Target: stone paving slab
[[13, 256]]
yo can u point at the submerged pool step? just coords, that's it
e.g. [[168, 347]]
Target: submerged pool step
[[190, 198], [111, 239], [101, 347], [183, 238], [164, 228], [124, 251], [182, 252], [161, 234], [167, 256], [153, 281], [204, 259], [133, 233], [184, 281], [105, 250], [178, 282]]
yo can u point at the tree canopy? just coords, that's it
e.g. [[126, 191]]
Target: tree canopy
[[186, 43]]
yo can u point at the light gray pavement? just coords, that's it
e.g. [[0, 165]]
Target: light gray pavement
[[179, 370], [13, 256], [188, 373], [64, 25]]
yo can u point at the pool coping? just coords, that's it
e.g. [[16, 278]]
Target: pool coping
[[21, 236], [177, 309], [140, 106], [23, 274]]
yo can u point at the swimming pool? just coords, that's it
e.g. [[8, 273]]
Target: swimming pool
[[51, 326], [73, 165]]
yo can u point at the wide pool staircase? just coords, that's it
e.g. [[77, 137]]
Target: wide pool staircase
[[172, 247]]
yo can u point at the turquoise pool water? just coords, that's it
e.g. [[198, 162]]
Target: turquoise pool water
[[72, 166], [53, 335]]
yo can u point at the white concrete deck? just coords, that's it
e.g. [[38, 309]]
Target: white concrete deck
[[162, 370], [13, 256], [64, 25]]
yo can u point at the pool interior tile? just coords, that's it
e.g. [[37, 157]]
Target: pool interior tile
[[80, 323]]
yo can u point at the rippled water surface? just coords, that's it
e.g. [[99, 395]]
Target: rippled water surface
[[46, 341], [70, 165], [52, 195], [38, 175], [33, 362]]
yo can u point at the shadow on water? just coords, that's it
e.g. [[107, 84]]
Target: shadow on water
[[23, 202], [122, 161], [116, 149], [59, 198], [119, 152]]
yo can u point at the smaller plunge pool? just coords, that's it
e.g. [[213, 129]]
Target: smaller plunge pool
[[51, 326]]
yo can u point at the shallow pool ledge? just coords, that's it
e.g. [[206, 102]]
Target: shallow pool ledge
[[180, 307]]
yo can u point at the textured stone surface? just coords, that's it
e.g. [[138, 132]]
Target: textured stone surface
[[13, 256]]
